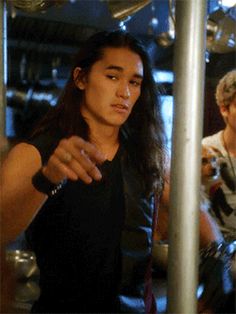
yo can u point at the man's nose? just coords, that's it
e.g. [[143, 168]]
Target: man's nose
[[123, 90]]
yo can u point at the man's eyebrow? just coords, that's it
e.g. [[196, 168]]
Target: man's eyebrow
[[120, 69], [114, 67]]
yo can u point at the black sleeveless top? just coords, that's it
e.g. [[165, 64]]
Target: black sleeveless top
[[76, 237]]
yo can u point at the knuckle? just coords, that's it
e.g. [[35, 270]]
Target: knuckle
[[79, 141], [56, 151], [52, 159], [63, 142], [91, 168], [91, 146], [73, 138]]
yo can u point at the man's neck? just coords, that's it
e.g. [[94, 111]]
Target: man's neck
[[106, 139], [229, 137]]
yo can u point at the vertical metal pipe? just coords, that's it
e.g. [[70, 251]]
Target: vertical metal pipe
[[3, 66], [189, 63]]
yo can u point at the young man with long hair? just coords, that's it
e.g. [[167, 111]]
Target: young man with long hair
[[84, 186]]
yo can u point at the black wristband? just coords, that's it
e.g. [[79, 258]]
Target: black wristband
[[42, 184]]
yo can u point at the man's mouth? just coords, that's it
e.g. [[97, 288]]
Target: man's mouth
[[120, 107]]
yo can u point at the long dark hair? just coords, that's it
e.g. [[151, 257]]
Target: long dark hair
[[143, 131]]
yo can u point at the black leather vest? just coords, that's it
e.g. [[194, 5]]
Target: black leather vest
[[135, 294], [136, 245]]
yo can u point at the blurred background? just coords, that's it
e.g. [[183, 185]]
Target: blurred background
[[43, 35]]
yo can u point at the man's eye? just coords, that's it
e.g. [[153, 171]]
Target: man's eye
[[135, 83], [112, 77]]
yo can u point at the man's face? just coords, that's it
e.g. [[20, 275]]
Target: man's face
[[229, 114], [112, 87]]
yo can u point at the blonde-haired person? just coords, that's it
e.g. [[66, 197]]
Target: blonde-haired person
[[225, 142]]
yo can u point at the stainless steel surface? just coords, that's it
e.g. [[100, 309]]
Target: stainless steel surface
[[189, 68], [123, 9], [35, 5], [26, 275], [23, 263], [26, 292], [221, 31]]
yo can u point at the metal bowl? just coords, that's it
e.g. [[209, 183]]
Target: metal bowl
[[160, 254], [23, 263]]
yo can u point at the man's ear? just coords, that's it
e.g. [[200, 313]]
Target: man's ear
[[79, 78], [224, 111]]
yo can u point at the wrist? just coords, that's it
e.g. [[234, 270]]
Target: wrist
[[50, 176], [44, 185]]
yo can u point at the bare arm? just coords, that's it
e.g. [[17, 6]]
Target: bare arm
[[20, 201], [209, 231]]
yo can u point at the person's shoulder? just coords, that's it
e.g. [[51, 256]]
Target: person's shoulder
[[22, 152], [23, 146], [212, 140]]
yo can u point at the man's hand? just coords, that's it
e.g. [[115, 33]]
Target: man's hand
[[75, 159]]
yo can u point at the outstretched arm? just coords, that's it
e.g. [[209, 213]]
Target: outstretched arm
[[20, 200]]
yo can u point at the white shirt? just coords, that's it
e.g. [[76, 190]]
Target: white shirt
[[216, 140]]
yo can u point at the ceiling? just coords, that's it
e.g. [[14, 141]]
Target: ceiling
[[44, 36], [41, 44], [59, 30], [95, 13]]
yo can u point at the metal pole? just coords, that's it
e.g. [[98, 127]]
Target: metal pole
[[3, 66], [189, 62]]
